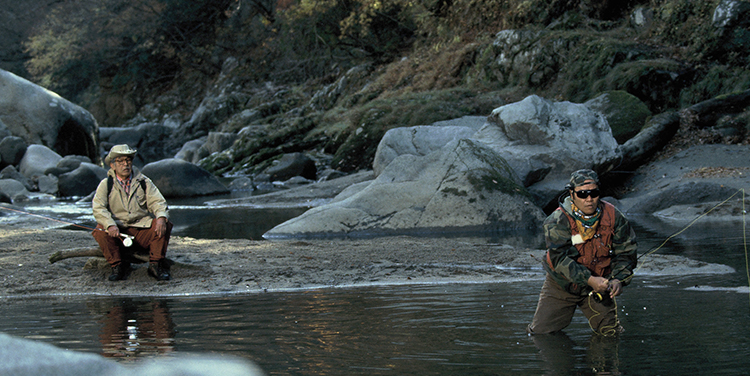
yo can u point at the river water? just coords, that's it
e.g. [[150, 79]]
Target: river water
[[677, 325]]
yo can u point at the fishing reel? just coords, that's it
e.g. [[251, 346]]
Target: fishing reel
[[127, 240], [598, 297]]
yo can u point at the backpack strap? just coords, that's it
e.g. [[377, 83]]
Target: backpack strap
[[110, 183]]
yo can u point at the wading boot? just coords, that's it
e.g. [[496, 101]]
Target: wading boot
[[156, 270], [119, 272]]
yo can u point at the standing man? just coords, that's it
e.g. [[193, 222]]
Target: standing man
[[591, 254], [127, 202]]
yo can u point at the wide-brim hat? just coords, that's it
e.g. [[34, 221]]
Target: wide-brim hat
[[119, 151]]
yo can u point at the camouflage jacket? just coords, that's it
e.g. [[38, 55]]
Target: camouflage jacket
[[561, 257]]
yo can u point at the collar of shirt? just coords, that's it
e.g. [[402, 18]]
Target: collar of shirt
[[125, 183]]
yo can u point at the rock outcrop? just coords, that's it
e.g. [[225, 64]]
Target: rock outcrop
[[39, 116], [463, 186], [470, 173]]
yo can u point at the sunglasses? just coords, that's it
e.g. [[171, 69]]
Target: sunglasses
[[594, 193]]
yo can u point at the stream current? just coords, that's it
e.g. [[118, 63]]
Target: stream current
[[675, 325]]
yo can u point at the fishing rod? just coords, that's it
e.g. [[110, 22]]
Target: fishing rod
[[127, 240]]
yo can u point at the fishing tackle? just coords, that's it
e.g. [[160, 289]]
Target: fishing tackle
[[127, 240]]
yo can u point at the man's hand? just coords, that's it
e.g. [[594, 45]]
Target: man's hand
[[599, 284], [161, 227], [113, 231], [615, 288]]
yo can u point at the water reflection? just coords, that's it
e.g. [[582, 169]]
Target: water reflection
[[407, 330], [134, 328]]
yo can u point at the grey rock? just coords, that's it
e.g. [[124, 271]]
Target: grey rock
[[79, 182], [243, 183], [315, 194], [218, 141], [327, 97], [291, 165], [177, 178], [12, 150], [67, 164], [422, 140], [701, 173], [543, 141], [10, 172], [48, 184], [642, 17], [730, 13], [39, 116], [13, 189], [189, 151], [37, 159], [4, 132], [31, 358], [150, 139], [465, 185]]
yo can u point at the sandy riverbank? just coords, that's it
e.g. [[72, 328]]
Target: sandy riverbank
[[227, 266], [223, 266]]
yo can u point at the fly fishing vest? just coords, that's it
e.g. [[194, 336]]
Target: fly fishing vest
[[596, 253]]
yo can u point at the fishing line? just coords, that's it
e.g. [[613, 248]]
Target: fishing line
[[744, 235], [126, 241], [612, 330]]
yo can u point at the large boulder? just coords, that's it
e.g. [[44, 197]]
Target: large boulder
[[544, 141], [40, 116], [495, 173], [625, 113], [422, 140], [177, 178], [67, 164], [12, 150], [32, 358], [464, 186], [37, 160], [81, 181]]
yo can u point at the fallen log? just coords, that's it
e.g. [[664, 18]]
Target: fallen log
[[90, 252]]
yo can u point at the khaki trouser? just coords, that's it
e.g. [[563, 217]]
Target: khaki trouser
[[556, 308], [112, 248]]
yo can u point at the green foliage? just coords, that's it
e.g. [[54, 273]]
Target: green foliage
[[719, 79], [688, 24], [122, 43]]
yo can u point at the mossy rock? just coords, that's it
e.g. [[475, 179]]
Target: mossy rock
[[625, 113], [368, 124]]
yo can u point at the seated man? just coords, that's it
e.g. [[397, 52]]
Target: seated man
[[127, 202]]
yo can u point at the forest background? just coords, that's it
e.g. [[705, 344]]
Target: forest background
[[129, 61]]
